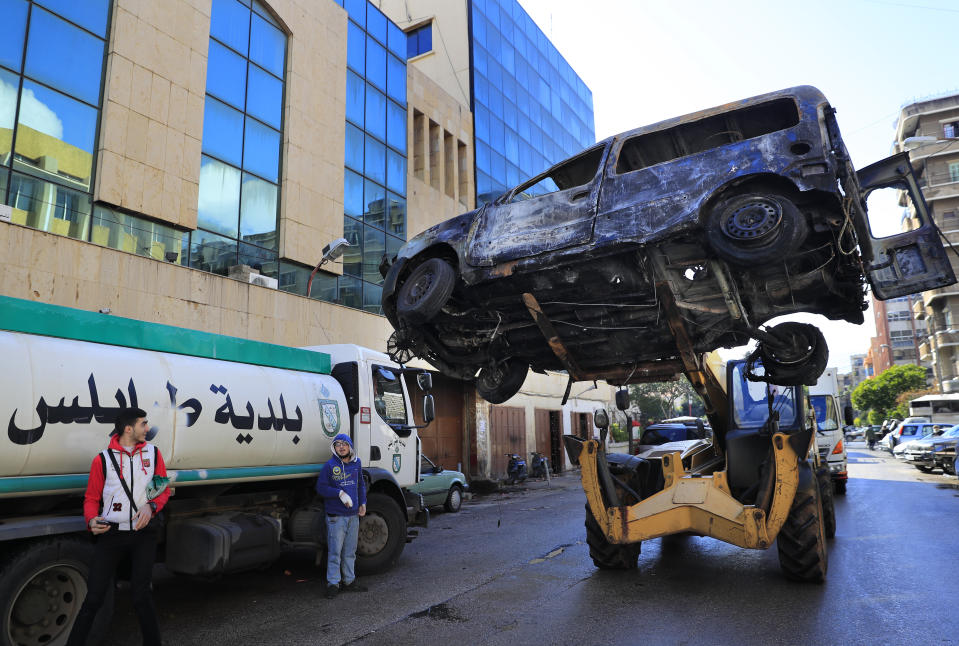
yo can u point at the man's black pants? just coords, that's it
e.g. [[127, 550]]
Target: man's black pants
[[110, 548]]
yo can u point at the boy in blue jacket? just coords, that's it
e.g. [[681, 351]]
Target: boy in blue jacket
[[344, 495]]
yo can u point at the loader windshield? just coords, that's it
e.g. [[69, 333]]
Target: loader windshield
[[750, 401]]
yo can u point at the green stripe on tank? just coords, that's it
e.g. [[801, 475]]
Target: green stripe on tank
[[36, 484], [18, 315]]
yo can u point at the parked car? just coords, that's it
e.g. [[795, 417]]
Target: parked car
[[853, 432], [907, 432], [715, 222], [934, 451], [440, 486], [668, 432]]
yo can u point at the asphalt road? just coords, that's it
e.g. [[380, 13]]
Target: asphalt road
[[513, 568]]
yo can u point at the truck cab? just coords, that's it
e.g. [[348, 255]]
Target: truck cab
[[824, 399]]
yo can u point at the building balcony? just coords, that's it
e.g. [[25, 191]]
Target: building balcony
[[932, 295], [918, 310], [925, 351]]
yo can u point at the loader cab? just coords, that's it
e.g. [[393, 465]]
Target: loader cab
[[757, 410]]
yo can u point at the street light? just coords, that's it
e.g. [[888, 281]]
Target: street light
[[331, 252]]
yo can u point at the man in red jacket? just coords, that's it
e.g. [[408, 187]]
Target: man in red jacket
[[118, 512]]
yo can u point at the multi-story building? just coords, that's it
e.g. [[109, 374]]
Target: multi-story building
[[898, 334], [185, 162], [929, 129]]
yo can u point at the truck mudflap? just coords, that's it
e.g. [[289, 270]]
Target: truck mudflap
[[700, 504], [417, 513]]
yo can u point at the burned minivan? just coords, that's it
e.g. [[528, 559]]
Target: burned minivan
[[630, 259]]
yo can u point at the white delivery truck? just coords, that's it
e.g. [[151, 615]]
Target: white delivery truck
[[244, 428], [830, 415]]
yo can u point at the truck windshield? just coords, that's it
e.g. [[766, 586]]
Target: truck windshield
[[388, 397], [749, 401], [825, 408]]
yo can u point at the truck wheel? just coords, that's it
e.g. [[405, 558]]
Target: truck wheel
[[454, 501], [425, 291], [802, 539], [498, 383], [752, 228], [828, 504], [839, 487], [606, 555], [42, 587], [382, 535]]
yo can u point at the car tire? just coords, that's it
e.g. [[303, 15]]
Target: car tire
[[425, 291], [498, 383], [454, 499], [753, 228], [45, 583], [801, 542], [924, 469], [802, 362], [606, 555]]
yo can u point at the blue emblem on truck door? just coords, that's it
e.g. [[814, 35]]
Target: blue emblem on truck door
[[330, 416], [397, 462]]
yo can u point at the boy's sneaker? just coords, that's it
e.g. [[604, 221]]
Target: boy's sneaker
[[352, 587], [332, 591]]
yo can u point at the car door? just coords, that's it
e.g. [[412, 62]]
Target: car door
[[552, 211], [911, 261]]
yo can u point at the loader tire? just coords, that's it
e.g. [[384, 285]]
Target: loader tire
[[802, 539], [828, 503], [606, 555]]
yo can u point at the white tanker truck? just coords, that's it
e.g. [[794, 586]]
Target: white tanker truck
[[244, 428]]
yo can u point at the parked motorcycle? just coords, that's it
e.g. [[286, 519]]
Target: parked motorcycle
[[539, 465], [516, 469]]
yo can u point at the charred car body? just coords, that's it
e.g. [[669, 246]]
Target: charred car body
[[629, 260]]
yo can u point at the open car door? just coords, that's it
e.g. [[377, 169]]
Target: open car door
[[911, 261]]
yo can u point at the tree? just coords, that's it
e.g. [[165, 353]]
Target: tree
[[879, 393], [659, 399]]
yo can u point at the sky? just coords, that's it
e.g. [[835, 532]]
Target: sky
[[648, 60]]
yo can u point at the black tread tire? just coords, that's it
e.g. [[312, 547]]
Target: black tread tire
[[802, 540], [780, 241], [606, 555], [828, 502], [22, 565], [425, 291], [839, 487], [499, 384], [805, 373], [382, 514], [454, 499], [924, 469]]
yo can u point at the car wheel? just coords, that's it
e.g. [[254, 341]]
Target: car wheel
[[800, 357], [425, 291], [924, 469], [454, 500], [753, 228], [501, 381]]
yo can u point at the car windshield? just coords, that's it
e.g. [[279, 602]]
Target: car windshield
[[663, 434], [426, 465]]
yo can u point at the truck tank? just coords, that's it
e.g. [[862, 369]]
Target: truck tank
[[213, 419]]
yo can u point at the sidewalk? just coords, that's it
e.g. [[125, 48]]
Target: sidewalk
[[569, 479]]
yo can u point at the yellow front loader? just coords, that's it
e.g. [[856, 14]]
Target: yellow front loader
[[753, 482]]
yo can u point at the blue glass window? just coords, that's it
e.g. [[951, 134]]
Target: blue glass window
[[357, 11], [258, 212], [376, 23], [230, 24], [375, 64], [396, 216], [354, 148], [64, 57], [374, 203], [226, 75], [355, 97], [8, 112], [89, 14], [396, 83], [396, 126], [419, 41], [395, 172], [353, 256], [221, 124], [261, 150], [396, 40], [264, 98], [374, 246], [14, 14], [375, 162], [267, 46], [375, 113], [352, 194], [356, 48], [218, 206], [243, 117]]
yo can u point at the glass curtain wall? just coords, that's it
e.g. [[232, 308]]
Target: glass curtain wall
[[239, 193], [530, 108], [52, 58], [374, 191]]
